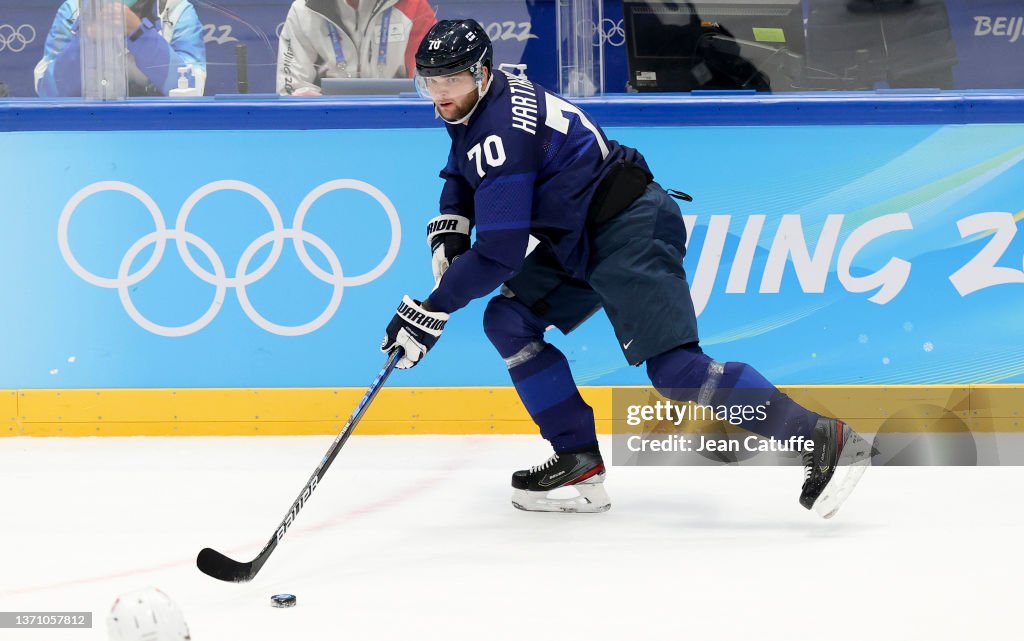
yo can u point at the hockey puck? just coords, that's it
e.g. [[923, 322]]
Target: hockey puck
[[283, 600]]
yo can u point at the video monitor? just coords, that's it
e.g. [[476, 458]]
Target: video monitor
[[714, 44]]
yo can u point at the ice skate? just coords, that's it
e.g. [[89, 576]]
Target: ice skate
[[580, 471], [835, 444]]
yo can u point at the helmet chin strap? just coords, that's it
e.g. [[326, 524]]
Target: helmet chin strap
[[480, 96]]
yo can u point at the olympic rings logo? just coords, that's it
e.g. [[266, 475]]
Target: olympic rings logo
[[15, 40], [242, 278], [609, 32], [613, 33]]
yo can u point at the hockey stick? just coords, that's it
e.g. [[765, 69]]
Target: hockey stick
[[218, 566]]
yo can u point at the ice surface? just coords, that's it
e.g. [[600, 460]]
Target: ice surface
[[414, 538]]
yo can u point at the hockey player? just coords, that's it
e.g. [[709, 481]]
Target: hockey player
[[567, 222]]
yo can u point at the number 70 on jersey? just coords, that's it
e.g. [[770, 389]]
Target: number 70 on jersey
[[492, 150]]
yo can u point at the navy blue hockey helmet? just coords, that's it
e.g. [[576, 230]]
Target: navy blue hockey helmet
[[452, 46]]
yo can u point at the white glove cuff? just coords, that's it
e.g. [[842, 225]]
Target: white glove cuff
[[447, 224]]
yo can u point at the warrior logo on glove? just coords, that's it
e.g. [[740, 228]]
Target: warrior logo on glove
[[415, 330]]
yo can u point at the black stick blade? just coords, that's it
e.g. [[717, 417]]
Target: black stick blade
[[213, 563]]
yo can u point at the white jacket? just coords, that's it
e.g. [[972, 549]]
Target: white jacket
[[328, 38]]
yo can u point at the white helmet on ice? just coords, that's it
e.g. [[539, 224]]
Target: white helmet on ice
[[146, 615]]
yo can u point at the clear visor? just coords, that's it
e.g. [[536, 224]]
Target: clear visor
[[445, 88]]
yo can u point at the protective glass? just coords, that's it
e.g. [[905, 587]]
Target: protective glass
[[445, 88]]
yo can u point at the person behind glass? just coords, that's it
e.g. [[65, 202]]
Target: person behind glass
[[349, 39], [160, 37]]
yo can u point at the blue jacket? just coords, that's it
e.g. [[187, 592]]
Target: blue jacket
[[171, 37]]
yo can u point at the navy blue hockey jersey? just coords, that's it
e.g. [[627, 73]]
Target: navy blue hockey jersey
[[526, 163]]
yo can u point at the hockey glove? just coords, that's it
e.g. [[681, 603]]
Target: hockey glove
[[415, 330], [448, 237]]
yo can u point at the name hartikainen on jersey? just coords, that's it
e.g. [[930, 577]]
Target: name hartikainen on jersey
[[524, 104]]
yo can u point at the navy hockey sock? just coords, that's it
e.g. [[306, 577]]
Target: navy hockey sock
[[540, 374], [547, 389]]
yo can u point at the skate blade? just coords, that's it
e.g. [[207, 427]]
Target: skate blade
[[839, 489], [592, 499]]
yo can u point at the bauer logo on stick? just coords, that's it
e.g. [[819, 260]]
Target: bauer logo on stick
[[296, 508]]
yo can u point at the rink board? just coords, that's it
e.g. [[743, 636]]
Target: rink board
[[474, 410], [834, 240], [867, 239]]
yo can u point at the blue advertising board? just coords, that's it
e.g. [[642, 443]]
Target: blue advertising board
[[824, 254], [988, 36]]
